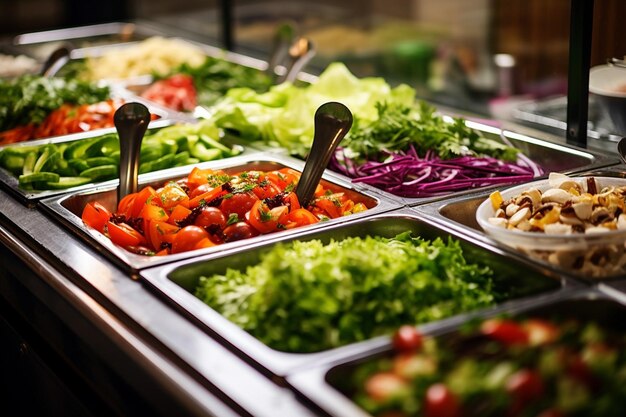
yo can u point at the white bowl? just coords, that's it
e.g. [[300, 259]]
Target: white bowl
[[594, 255]]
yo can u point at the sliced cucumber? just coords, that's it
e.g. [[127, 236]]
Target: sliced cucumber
[[78, 164], [103, 146], [29, 163], [77, 148], [38, 177], [164, 162], [199, 150], [99, 160], [67, 182], [103, 172]]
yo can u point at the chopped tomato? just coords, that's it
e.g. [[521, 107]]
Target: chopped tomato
[[126, 204], [187, 238], [302, 217], [204, 243], [160, 232], [178, 213], [330, 207], [124, 235], [150, 213], [265, 220], [171, 195], [205, 197], [95, 215], [143, 197]]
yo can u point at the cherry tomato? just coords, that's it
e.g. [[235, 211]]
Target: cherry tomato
[[239, 204], [407, 338], [505, 331], [441, 402], [239, 231], [96, 215], [211, 217], [384, 385], [525, 386], [187, 238]]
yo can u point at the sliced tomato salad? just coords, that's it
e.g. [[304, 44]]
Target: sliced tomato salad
[[210, 207], [176, 92], [67, 119]]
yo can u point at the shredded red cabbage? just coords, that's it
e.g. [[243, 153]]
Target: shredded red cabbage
[[406, 174]]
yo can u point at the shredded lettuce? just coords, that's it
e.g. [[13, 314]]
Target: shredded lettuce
[[310, 296], [283, 116]]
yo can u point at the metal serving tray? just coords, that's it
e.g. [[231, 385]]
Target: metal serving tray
[[40, 44], [212, 51], [327, 388], [30, 197], [552, 157], [177, 282], [459, 213], [68, 208]]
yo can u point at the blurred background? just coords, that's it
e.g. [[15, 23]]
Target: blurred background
[[478, 55]]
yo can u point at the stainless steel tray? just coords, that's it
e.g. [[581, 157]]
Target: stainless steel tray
[[30, 197], [552, 157], [40, 44], [176, 283], [459, 214], [209, 50], [68, 208], [319, 386]]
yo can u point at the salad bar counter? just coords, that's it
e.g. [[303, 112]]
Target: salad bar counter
[[404, 287]]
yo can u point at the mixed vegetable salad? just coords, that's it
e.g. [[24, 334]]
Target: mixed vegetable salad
[[33, 107], [211, 207], [396, 144], [306, 296], [529, 366], [69, 164]]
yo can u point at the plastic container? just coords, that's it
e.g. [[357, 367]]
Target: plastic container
[[590, 255]]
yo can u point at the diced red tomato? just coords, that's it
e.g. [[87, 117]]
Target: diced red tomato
[[124, 235], [407, 338], [95, 215]]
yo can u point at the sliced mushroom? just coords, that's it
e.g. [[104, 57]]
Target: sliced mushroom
[[534, 195], [600, 215], [583, 210], [621, 222], [557, 229], [511, 209], [498, 222], [556, 195], [522, 214], [570, 219]]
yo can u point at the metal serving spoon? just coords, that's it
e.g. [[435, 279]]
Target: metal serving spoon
[[55, 61], [332, 121], [131, 121]]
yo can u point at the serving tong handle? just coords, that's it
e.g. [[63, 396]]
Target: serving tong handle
[[55, 61], [131, 121], [300, 53], [332, 122]]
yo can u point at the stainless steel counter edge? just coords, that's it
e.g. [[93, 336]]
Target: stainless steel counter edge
[[144, 327]]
